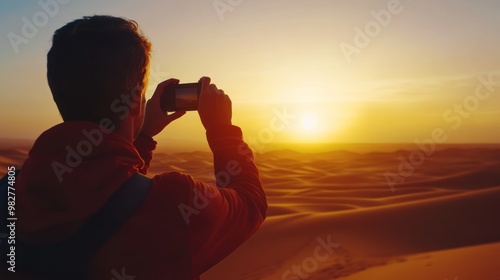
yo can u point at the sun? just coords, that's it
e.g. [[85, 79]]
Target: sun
[[309, 126], [309, 123], [315, 122]]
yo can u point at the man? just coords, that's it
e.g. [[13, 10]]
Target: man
[[97, 71]]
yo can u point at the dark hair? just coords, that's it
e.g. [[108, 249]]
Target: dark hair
[[92, 62]]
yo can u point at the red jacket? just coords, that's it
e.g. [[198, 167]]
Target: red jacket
[[183, 224]]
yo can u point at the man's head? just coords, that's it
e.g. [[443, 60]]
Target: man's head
[[93, 62]]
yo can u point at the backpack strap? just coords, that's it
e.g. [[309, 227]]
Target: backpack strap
[[69, 259]]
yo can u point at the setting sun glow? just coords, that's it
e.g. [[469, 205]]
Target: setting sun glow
[[309, 123]]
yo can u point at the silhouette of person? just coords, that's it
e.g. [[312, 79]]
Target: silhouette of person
[[97, 71]]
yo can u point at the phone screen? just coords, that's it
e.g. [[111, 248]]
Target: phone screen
[[186, 98], [180, 97]]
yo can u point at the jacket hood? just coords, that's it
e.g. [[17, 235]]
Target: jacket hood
[[71, 170]]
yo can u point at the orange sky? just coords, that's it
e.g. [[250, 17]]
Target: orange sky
[[340, 71]]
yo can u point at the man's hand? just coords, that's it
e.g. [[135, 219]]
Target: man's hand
[[214, 107], [155, 120]]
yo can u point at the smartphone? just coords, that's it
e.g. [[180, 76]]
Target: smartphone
[[181, 97]]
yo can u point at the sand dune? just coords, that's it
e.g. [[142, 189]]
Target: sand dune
[[369, 237], [439, 223], [449, 204], [475, 262]]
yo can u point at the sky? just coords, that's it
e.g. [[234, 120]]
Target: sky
[[297, 71]]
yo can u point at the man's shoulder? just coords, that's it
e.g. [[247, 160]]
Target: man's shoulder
[[173, 184]]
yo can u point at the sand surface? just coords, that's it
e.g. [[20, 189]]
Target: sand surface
[[333, 215]]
